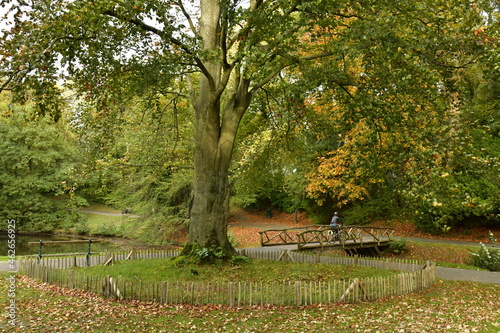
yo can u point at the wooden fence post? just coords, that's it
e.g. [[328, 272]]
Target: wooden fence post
[[353, 287], [230, 294], [298, 294], [71, 279]]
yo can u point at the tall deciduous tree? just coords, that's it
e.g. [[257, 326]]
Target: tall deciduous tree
[[224, 52]]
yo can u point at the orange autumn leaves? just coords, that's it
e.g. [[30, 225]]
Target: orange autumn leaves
[[336, 174]]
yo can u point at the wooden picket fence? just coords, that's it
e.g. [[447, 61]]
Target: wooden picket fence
[[415, 276], [66, 261]]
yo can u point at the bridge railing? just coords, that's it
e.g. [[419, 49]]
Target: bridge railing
[[325, 236], [345, 235], [286, 236]]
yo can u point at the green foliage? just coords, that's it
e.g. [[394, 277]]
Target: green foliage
[[397, 246], [162, 201], [270, 164], [82, 227], [37, 160], [143, 165], [109, 231], [487, 258], [362, 213], [239, 260], [212, 255], [370, 95]]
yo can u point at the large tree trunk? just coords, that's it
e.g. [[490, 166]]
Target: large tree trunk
[[210, 201], [215, 133], [214, 143]]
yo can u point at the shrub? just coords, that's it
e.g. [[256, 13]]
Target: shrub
[[397, 246], [82, 229], [487, 258], [109, 230], [240, 260], [212, 255], [364, 212]]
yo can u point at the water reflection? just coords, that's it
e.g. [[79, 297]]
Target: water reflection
[[22, 247]]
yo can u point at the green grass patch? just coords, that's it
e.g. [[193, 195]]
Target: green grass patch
[[106, 225], [177, 269], [112, 226]]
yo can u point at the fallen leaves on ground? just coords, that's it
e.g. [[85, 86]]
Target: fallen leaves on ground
[[445, 307]]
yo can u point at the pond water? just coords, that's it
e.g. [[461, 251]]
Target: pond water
[[22, 247]]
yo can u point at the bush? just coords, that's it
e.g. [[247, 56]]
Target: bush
[[82, 227], [397, 246], [109, 231], [240, 260], [487, 258], [434, 221], [212, 255]]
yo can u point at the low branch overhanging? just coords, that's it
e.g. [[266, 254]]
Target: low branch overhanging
[[18, 75], [188, 18], [148, 28], [294, 60]]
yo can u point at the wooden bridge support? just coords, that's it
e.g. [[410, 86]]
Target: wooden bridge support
[[372, 251]]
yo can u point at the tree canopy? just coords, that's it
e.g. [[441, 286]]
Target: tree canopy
[[36, 163], [369, 67]]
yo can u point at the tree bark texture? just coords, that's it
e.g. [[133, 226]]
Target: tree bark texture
[[215, 132]]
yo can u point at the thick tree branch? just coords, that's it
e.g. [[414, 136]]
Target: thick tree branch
[[148, 28], [188, 18], [269, 77]]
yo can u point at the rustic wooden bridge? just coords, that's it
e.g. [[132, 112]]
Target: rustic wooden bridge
[[352, 239]]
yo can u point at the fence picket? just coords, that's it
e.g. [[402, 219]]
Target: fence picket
[[247, 293]]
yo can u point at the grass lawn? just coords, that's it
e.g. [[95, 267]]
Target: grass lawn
[[102, 208], [111, 226], [446, 307], [106, 225], [253, 271]]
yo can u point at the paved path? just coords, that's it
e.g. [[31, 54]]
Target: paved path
[[444, 273], [105, 213], [446, 241], [457, 274]]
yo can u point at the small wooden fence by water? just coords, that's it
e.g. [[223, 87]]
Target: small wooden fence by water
[[76, 260], [416, 276]]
